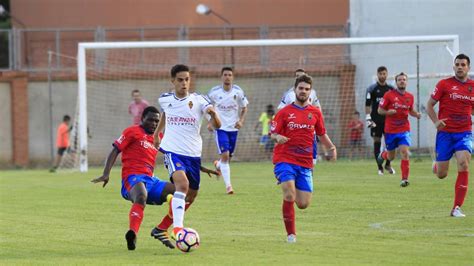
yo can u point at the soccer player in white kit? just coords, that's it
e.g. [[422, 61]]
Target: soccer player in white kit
[[231, 105], [182, 144]]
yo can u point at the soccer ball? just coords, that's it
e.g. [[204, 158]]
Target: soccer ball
[[187, 240]]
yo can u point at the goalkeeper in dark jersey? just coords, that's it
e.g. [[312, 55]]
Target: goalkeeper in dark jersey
[[374, 121]]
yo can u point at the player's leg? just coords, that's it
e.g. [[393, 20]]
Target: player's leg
[[285, 175], [288, 209], [463, 157], [57, 159], [138, 196], [159, 193], [223, 141], [304, 187], [404, 164], [176, 169], [444, 151], [391, 144], [376, 134]]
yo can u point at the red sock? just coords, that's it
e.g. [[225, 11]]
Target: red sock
[[136, 216], [385, 155], [405, 166], [289, 216], [460, 189], [168, 219]]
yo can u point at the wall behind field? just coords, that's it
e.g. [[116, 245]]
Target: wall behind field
[[128, 13], [378, 18], [6, 144]]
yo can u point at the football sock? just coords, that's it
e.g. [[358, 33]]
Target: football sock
[[288, 209], [218, 164], [225, 170], [460, 189], [165, 223], [377, 146], [168, 219], [135, 216], [405, 167], [177, 206]]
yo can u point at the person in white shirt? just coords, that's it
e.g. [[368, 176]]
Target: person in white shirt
[[231, 106], [182, 144]]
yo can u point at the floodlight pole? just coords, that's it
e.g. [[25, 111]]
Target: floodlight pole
[[207, 10]]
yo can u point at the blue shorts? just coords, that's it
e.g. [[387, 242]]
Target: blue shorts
[[392, 141], [449, 143], [226, 141], [153, 185], [190, 165], [302, 176]]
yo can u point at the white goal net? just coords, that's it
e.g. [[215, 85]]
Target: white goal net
[[342, 69]]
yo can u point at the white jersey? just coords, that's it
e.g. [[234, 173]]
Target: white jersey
[[183, 123], [227, 105], [290, 96]]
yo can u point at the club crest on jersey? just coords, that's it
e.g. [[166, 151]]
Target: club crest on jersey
[[190, 104], [178, 164], [235, 96], [469, 88], [310, 116]]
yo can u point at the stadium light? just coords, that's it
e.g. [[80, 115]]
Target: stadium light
[[4, 13], [204, 10]]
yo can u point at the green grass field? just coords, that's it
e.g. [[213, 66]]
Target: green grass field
[[356, 217]]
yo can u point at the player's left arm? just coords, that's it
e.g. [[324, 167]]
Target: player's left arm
[[215, 120], [243, 102], [415, 113], [330, 147]]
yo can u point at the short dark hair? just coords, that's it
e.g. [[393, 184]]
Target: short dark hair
[[149, 109], [400, 74], [178, 68], [227, 69], [299, 70], [463, 56], [135, 91], [304, 78], [381, 68], [66, 118]]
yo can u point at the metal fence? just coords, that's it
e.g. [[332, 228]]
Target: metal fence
[[27, 49]]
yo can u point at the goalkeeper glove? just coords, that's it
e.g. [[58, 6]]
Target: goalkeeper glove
[[368, 121]]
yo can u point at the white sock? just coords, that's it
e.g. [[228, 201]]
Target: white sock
[[218, 164], [225, 170], [177, 207]]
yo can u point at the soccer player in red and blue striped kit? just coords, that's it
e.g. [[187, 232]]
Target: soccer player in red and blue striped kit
[[453, 122], [293, 129], [396, 105]]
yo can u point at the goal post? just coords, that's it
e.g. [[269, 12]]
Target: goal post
[[449, 42]]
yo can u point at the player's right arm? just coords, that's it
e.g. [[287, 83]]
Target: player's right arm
[[432, 101], [108, 166], [277, 127]]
